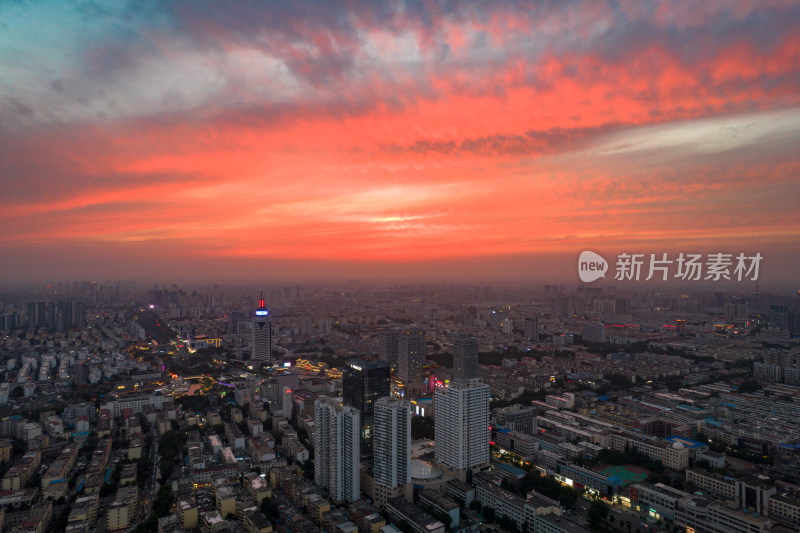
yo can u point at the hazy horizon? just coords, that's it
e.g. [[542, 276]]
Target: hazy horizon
[[518, 271]]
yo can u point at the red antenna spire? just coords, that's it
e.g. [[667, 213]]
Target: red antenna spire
[[261, 299]]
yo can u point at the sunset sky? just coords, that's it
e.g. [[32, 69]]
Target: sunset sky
[[490, 141]]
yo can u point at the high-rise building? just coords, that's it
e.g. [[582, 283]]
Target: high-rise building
[[778, 315], [307, 325], [363, 382], [272, 390], [324, 326], [30, 315], [79, 314], [63, 315], [412, 353], [336, 449], [462, 426], [388, 345], [594, 332], [9, 321], [519, 418], [465, 358], [793, 322], [262, 333], [532, 328], [51, 316], [392, 448]]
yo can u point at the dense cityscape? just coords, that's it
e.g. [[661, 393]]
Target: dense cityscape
[[414, 408], [405, 266]]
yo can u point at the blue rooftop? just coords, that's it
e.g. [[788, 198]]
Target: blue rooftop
[[686, 442], [511, 469]]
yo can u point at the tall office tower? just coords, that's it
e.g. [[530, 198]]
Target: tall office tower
[[336, 449], [363, 382], [465, 358], [532, 328], [392, 455], [411, 354], [262, 333], [388, 345], [462, 426]]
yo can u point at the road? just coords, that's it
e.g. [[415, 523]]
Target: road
[[151, 487], [637, 521]]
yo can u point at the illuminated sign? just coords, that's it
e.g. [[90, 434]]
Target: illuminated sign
[[263, 312], [287, 364]]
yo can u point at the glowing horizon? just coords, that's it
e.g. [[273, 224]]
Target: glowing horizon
[[282, 139]]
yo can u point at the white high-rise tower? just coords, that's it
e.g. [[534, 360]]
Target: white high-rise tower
[[262, 333], [337, 450], [391, 448], [461, 412]]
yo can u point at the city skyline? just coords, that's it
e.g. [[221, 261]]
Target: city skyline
[[170, 141], [151, 408]]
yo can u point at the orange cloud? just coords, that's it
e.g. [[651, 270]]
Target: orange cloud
[[540, 149]]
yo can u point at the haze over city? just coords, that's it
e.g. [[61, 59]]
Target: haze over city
[[408, 266], [370, 140]]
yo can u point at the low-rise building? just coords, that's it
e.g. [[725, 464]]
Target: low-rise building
[[225, 501], [122, 511], [420, 522], [439, 504], [711, 484], [254, 521], [504, 503], [170, 524], [188, 513], [659, 500], [785, 509], [702, 514], [37, 520]]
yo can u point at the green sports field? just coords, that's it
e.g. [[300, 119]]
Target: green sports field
[[626, 473]]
